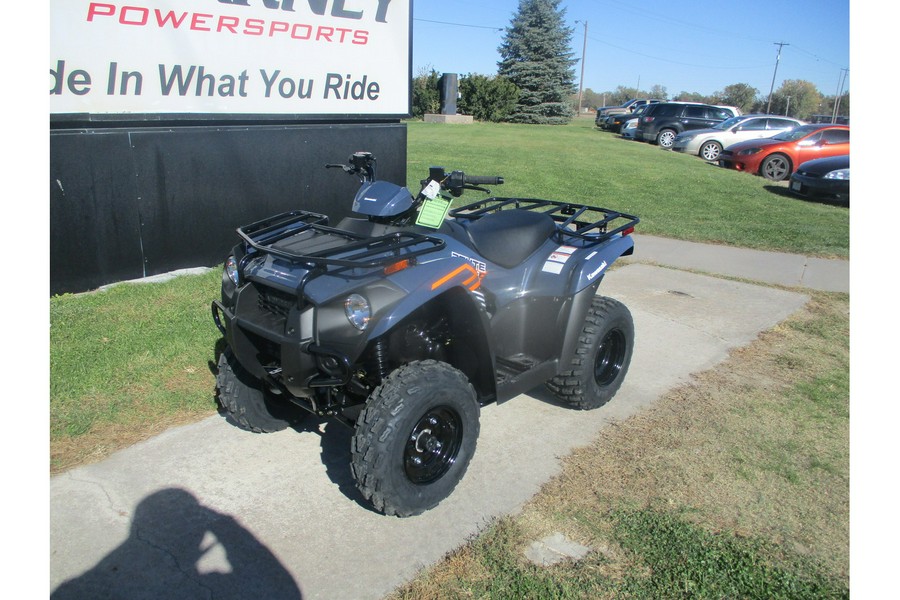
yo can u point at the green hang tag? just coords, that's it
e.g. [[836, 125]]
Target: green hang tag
[[433, 213]]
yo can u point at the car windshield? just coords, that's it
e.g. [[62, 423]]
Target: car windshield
[[796, 133], [728, 123]]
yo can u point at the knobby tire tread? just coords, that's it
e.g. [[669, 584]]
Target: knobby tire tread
[[572, 386], [381, 419]]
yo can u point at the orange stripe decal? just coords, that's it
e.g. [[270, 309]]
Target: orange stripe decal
[[476, 277]]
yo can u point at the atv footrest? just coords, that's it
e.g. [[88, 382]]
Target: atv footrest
[[509, 367]]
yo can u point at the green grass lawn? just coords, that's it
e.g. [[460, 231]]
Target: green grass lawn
[[674, 195], [127, 362]]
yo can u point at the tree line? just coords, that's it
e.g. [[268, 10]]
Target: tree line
[[795, 98], [496, 98]]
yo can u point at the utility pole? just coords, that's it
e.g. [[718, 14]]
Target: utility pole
[[840, 92], [777, 58], [583, 53], [788, 106]]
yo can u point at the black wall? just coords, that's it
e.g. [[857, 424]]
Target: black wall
[[132, 202]]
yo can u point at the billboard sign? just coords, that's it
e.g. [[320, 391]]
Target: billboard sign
[[143, 59]]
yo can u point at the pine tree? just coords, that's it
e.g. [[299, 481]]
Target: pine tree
[[536, 57]]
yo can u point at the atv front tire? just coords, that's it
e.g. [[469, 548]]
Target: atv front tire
[[415, 438], [601, 357], [250, 405]]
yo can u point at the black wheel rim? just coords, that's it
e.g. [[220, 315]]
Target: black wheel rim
[[610, 357], [432, 445]]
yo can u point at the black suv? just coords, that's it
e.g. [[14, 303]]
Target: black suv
[[660, 123]]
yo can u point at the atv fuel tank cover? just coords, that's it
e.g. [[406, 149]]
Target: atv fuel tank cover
[[382, 199]]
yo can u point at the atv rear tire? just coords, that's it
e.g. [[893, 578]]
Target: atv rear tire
[[415, 438], [601, 357], [250, 405]]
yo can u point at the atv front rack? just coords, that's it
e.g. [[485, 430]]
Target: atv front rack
[[304, 238], [572, 220]]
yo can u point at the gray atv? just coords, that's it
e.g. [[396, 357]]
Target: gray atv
[[406, 318]]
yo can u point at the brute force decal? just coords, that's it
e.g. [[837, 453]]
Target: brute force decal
[[472, 283]]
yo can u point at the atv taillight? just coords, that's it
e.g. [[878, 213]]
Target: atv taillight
[[628, 231], [397, 266]]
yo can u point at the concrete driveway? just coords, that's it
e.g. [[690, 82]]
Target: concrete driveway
[[210, 511]]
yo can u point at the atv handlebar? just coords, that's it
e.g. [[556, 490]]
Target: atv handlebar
[[457, 181], [362, 164], [477, 180]]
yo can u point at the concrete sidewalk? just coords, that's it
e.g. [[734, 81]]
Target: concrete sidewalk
[[780, 268], [207, 510]]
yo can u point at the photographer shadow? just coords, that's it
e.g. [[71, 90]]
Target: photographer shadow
[[180, 549]]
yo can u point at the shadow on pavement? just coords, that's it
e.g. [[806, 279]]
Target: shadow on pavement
[[178, 548]]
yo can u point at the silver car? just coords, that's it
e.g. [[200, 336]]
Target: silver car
[[708, 143]]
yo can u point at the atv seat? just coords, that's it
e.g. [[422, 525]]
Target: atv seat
[[508, 237]]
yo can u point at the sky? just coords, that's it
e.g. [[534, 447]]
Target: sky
[[690, 46]]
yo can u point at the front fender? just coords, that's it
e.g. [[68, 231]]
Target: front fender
[[471, 349]]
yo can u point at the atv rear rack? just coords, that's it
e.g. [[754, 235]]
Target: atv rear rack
[[333, 247], [572, 220]]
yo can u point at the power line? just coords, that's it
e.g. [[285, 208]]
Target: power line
[[460, 24], [645, 14], [816, 56], [632, 51]]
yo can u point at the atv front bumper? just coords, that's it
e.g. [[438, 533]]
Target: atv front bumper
[[289, 360]]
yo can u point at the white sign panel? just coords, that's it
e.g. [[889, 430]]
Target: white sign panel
[[259, 57]]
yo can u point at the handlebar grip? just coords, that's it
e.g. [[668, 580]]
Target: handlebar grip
[[476, 180]]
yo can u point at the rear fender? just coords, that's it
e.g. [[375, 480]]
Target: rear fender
[[597, 261], [581, 303]]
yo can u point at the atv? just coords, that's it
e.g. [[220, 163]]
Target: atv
[[407, 317]]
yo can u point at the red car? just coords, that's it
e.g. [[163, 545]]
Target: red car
[[775, 158]]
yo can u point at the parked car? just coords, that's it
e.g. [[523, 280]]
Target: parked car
[[708, 143], [823, 178], [627, 107], [732, 109], [661, 122], [629, 128], [777, 157], [615, 122], [840, 119]]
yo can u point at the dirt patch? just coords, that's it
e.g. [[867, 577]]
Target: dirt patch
[[105, 439]]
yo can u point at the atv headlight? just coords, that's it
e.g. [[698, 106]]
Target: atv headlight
[[231, 269], [358, 311]]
